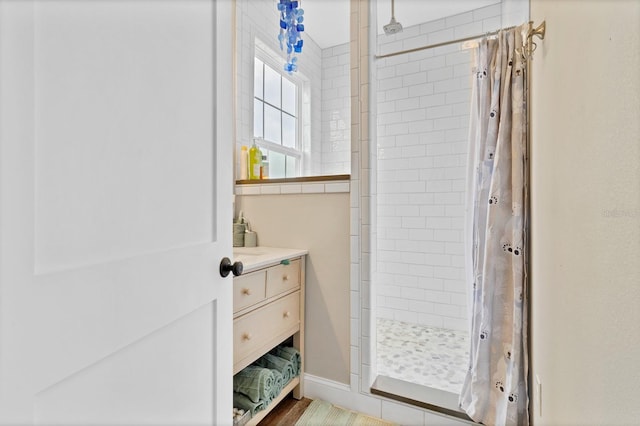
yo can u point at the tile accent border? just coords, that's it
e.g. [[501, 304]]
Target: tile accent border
[[327, 187]]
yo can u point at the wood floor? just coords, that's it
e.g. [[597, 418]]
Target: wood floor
[[286, 413]]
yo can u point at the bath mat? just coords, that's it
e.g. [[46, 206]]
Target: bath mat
[[322, 413]]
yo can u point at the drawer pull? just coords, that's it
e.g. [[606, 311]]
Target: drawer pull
[[285, 278], [246, 336], [286, 314], [246, 291]]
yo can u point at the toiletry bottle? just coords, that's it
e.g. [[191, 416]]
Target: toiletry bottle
[[244, 163], [264, 169], [255, 160]]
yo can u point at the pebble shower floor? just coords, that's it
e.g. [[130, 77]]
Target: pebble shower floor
[[427, 356]]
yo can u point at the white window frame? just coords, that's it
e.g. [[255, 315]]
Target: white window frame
[[276, 63]]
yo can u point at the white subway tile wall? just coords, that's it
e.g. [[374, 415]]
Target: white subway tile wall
[[326, 104], [422, 125], [257, 19], [336, 111], [267, 188]]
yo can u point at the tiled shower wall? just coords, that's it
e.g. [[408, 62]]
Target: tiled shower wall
[[422, 124]]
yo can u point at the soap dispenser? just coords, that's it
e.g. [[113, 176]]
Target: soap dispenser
[[255, 161]]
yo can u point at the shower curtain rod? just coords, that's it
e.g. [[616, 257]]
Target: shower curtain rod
[[539, 31]]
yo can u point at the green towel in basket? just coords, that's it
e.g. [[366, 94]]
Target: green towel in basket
[[279, 364], [290, 354], [255, 382], [277, 386]]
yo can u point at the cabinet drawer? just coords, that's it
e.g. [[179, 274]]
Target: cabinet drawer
[[248, 290], [253, 330], [281, 278]]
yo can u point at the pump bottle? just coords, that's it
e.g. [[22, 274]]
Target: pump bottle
[[255, 161]]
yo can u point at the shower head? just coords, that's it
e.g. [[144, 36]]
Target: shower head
[[393, 26]]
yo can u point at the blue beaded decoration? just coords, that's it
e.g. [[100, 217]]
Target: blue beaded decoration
[[291, 27]]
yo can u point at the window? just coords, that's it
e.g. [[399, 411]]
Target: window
[[276, 120]]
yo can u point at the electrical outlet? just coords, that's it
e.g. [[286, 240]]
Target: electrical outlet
[[539, 394]]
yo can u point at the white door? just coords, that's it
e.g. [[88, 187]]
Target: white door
[[115, 211]]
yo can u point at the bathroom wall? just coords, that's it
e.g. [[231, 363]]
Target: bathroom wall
[[296, 215], [422, 125], [318, 222], [336, 111], [326, 137], [585, 188], [259, 19], [356, 395]]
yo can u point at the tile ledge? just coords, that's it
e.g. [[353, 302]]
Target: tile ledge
[[288, 187], [302, 179]]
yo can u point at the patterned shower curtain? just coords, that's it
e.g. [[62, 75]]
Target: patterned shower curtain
[[495, 388]]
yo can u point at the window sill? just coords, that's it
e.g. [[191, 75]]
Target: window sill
[[300, 185]]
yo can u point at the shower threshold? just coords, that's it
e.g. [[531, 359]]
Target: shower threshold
[[439, 401]]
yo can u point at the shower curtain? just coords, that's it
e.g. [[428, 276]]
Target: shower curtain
[[495, 388]]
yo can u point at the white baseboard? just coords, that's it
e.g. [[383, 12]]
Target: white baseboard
[[340, 394], [319, 381], [327, 390]]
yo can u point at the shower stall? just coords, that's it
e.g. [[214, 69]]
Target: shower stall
[[421, 99]]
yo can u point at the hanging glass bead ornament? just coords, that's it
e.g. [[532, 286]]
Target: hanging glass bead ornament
[[291, 28]]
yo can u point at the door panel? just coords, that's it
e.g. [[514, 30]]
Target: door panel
[[117, 303], [114, 211], [122, 138], [125, 387]]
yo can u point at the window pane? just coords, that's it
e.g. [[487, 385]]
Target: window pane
[[272, 124], [292, 166], [276, 165], [271, 86], [258, 126], [288, 131], [288, 96], [257, 79]]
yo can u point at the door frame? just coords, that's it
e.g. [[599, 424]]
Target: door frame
[[224, 122]]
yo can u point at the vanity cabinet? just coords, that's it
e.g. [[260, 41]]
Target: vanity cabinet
[[268, 308]]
